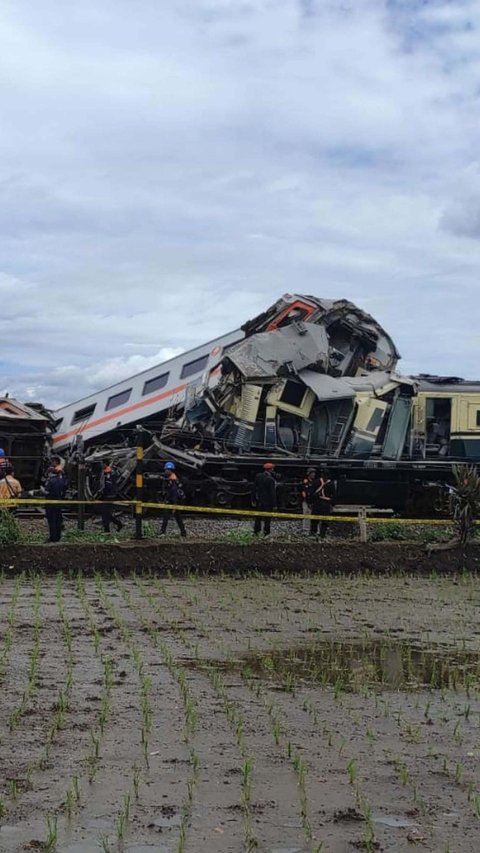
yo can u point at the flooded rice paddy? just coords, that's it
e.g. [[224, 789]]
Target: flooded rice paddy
[[280, 715]]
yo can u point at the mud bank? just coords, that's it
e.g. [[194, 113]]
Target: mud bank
[[216, 558]]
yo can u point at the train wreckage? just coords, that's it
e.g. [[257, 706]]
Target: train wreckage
[[308, 382]]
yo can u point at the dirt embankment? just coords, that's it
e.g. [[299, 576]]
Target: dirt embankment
[[215, 558]]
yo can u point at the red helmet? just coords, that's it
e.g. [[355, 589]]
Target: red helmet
[[269, 466]]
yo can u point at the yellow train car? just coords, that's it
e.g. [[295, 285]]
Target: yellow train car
[[446, 420]]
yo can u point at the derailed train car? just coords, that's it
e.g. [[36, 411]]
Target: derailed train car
[[308, 382], [389, 440], [25, 434]]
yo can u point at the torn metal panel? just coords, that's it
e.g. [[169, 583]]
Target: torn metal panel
[[356, 335], [283, 352], [241, 434], [326, 387], [379, 382]]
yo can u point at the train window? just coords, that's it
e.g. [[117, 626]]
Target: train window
[[375, 420], [194, 366], [295, 312], [118, 399], [155, 384], [83, 414], [478, 417], [293, 393]]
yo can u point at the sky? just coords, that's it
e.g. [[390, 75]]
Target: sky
[[168, 170]]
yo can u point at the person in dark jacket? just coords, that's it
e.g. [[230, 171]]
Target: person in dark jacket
[[306, 509], [55, 490], [264, 497], [321, 498], [109, 493], [173, 495]]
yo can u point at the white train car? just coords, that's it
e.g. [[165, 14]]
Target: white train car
[[149, 393]]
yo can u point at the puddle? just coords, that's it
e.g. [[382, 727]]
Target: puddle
[[8, 829], [147, 848], [353, 665], [165, 822], [287, 850], [99, 823], [394, 822], [93, 846]]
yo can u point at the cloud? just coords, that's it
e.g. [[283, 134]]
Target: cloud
[[166, 172]]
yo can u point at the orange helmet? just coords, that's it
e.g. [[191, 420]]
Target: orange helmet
[[269, 466]]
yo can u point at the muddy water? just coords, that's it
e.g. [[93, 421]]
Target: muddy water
[[363, 690], [356, 665]]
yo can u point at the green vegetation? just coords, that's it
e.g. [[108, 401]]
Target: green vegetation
[[10, 531], [465, 501]]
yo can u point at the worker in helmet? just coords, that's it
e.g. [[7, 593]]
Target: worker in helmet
[[264, 497], [173, 495]]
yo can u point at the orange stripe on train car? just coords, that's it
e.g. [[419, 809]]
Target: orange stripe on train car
[[114, 415]]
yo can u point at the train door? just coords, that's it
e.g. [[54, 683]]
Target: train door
[[366, 426], [397, 428], [438, 416], [465, 440]]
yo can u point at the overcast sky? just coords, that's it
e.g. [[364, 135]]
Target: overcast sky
[[169, 169]]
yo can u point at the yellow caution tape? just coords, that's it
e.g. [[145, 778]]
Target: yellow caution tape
[[250, 513]]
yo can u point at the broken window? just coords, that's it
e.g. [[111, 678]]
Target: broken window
[[155, 384], [375, 420], [193, 367], [293, 394], [83, 414], [118, 399]]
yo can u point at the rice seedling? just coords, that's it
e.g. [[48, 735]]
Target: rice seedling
[[12, 789], [52, 834], [352, 770], [123, 817], [10, 631]]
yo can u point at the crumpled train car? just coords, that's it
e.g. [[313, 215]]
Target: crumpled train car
[[25, 433], [310, 381]]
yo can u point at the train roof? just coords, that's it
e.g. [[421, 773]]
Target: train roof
[[11, 410], [140, 373], [453, 384]]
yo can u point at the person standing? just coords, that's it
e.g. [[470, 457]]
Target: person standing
[[306, 510], [322, 494], [173, 495], [264, 497], [109, 493], [55, 490], [10, 487]]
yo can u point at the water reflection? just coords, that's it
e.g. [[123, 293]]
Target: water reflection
[[353, 665]]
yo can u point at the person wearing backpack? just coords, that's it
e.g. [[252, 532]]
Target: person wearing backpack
[[174, 494], [10, 487]]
